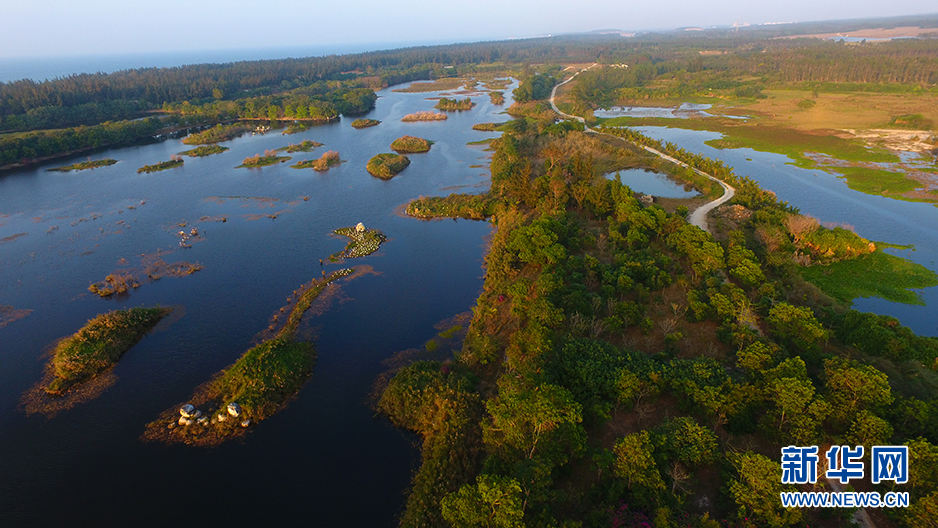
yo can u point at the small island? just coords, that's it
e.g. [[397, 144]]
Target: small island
[[410, 145], [216, 134], [201, 152], [387, 166], [325, 162], [99, 345], [454, 105], [270, 157], [259, 384], [424, 115], [296, 128], [497, 98], [365, 123], [174, 161], [487, 127], [85, 165], [362, 241], [306, 146]]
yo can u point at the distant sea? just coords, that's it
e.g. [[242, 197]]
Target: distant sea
[[43, 68]]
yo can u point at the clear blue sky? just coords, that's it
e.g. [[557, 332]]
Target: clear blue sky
[[74, 27]]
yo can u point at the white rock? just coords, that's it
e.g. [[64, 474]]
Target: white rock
[[222, 417], [203, 420], [234, 409], [246, 423], [187, 410], [196, 414], [184, 421]]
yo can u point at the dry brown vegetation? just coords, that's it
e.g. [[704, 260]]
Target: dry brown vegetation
[[424, 115]]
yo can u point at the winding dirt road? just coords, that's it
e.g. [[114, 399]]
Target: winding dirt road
[[699, 216]]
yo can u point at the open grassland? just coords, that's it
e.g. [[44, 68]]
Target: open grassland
[[878, 274], [877, 181]]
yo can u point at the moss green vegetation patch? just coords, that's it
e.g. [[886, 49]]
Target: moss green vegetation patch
[[469, 206], [325, 162], [911, 122], [487, 127], [362, 241], [877, 181], [410, 145], [206, 150], [485, 141], [99, 344], [261, 382], [306, 146], [387, 166], [794, 144], [161, 166], [85, 165], [787, 141], [497, 98], [424, 116], [876, 275], [365, 123], [454, 105], [262, 161], [216, 134]]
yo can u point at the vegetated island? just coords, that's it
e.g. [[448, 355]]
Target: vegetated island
[[325, 162], [99, 345], [497, 98], [365, 123], [270, 157], [487, 127], [206, 150], [175, 161], [259, 384], [85, 165], [306, 146], [424, 115], [362, 242], [216, 134], [387, 165], [410, 145], [454, 105]]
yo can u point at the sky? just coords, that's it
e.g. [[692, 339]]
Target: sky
[[47, 28]]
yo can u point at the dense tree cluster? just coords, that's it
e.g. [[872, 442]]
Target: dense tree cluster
[[588, 356]]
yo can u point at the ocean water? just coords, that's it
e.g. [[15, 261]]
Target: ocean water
[[43, 68]]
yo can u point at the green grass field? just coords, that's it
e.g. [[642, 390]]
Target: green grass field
[[878, 274]]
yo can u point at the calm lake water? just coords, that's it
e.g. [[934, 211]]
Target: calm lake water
[[326, 459], [827, 197], [653, 183]]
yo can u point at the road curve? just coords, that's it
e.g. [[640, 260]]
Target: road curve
[[699, 216]]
